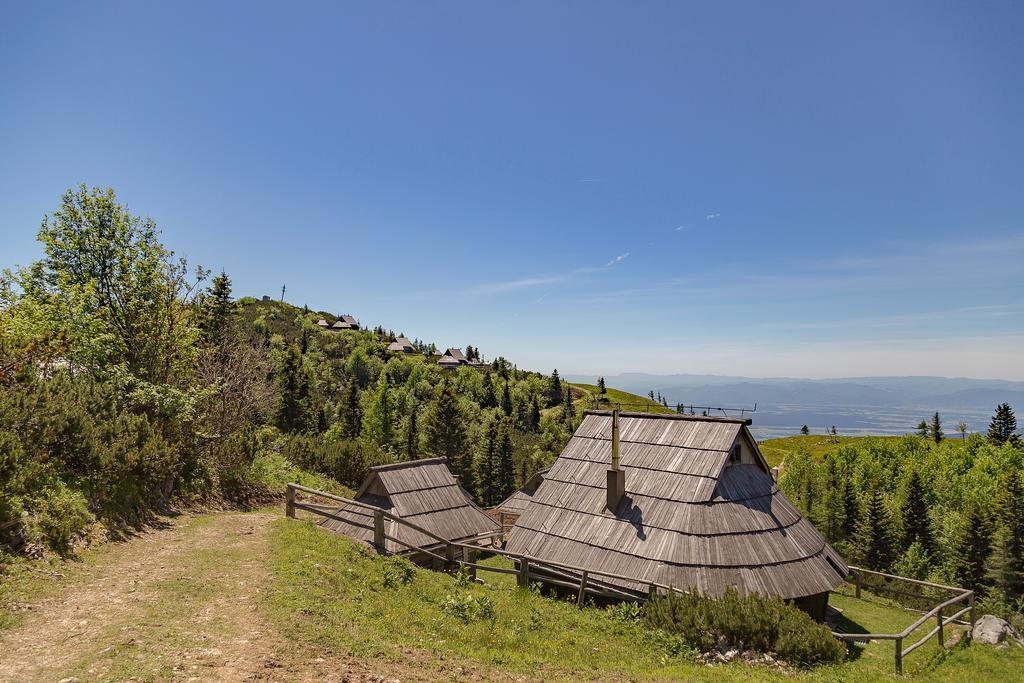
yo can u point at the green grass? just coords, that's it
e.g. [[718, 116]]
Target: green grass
[[330, 592], [613, 396], [817, 445]]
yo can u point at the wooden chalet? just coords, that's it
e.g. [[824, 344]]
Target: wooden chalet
[[345, 322], [679, 500], [322, 324], [401, 345], [423, 492]]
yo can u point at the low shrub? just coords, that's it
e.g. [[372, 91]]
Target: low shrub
[[754, 622], [397, 572], [62, 515], [466, 608]]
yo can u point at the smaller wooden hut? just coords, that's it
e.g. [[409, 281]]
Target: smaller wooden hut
[[423, 492], [508, 510]]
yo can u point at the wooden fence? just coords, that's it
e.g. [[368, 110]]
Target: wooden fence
[[961, 597], [452, 554]]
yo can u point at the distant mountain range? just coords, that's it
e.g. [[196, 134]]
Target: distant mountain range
[[856, 405]]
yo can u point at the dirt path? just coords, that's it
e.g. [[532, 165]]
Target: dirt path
[[177, 603]]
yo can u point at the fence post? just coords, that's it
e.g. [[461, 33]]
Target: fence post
[[581, 598], [449, 554], [524, 573], [289, 505], [970, 601], [856, 582], [652, 592], [470, 556], [942, 641], [378, 528], [899, 656]]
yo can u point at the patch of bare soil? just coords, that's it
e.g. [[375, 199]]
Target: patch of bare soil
[[181, 603]]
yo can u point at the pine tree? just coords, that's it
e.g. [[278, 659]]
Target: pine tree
[[506, 400], [935, 428], [569, 411], [914, 512], [874, 539], [922, 428], [378, 420], [293, 410], [412, 437], [534, 415], [351, 415], [1003, 426], [487, 468], [488, 400], [445, 434], [1006, 565], [218, 308], [600, 386], [851, 509], [805, 430], [555, 388], [506, 464], [971, 548]]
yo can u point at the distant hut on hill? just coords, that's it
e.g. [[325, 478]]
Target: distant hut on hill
[[322, 324], [401, 345], [423, 492], [345, 322], [679, 500]]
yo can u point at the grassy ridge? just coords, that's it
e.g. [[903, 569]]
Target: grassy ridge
[[588, 393]]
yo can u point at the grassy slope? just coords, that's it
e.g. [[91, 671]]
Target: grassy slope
[[588, 392], [329, 592]]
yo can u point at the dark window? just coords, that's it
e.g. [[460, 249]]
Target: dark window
[[736, 455]]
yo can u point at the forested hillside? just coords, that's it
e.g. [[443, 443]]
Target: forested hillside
[[131, 380]]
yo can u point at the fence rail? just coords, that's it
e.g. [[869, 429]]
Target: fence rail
[[961, 597], [448, 554]]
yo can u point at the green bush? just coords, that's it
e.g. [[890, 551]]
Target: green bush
[[347, 461], [748, 623], [466, 608], [62, 515], [397, 572]]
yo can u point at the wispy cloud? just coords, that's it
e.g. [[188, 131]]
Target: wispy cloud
[[712, 216], [522, 283], [617, 259], [680, 228]]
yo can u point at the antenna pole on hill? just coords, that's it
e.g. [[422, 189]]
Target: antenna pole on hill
[[282, 293]]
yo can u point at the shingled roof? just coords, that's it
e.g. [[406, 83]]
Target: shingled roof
[[700, 511], [516, 503], [423, 492]]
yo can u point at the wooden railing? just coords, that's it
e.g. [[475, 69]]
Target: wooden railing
[[960, 597], [583, 580], [463, 554]]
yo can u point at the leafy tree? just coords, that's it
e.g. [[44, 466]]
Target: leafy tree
[[600, 385], [914, 512], [874, 539], [961, 427], [445, 434], [1003, 427], [293, 414], [935, 428], [805, 430], [922, 429], [971, 548], [914, 562]]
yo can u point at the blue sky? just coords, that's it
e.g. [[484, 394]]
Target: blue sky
[[800, 189]]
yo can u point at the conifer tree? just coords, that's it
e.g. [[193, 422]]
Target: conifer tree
[[914, 512], [805, 430], [1003, 426], [935, 428], [218, 308], [506, 464], [534, 415], [489, 400], [874, 538], [851, 509], [445, 434], [506, 400], [568, 411], [488, 467], [412, 437], [600, 386], [351, 415], [293, 410], [1006, 565], [555, 388], [378, 420], [971, 548], [922, 428]]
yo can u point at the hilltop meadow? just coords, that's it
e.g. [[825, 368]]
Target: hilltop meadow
[[136, 387]]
